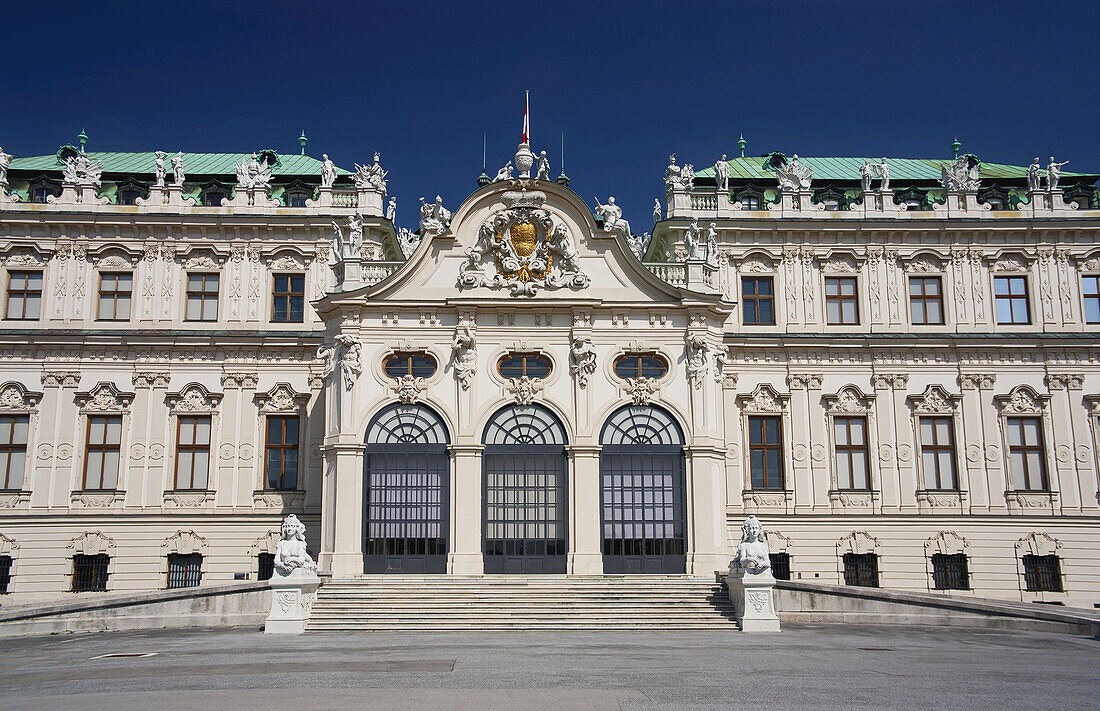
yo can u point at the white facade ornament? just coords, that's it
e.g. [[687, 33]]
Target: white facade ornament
[[687, 176], [391, 209], [750, 581], [5, 161], [934, 400], [526, 249], [722, 174], [524, 389], [253, 174], [672, 174], [612, 216], [542, 167], [408, 389], [82, 170], [327, 355], [371, 177], [712, 245], [351, 359], [638, 243], [178, 176], [692, 241], [868, 171], [408, 240], [291, 553], [504, 173], [328, 171], [656, 210], [160, 169], [721, 362], [1034, 176], [642, 391], [464, 354], [582, 355], [294, 581], [1054, 173], [434, 218], [698, 351], [794, 174], [961, 175], [352, 246]]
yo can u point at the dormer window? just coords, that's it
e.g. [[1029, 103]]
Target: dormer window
[[213, 198], [41, 189], [519, 365]]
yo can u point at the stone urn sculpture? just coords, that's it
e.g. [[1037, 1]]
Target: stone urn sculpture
[[525, 159]]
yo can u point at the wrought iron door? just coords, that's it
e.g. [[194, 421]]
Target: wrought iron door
[[407, 473], [642, 493], [524, 478]]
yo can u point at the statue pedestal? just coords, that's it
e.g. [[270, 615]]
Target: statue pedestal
[[700, 276], [751, 595], [324, 198], [880, 203], [1049, 202], [370, 202], [678, 203], [175, 197], [792, 202], [349, 273], [292, 599], [960, 203]]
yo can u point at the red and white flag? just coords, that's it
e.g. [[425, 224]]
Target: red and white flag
[[526, 125]]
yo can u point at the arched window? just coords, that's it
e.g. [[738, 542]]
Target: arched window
[[640, 365], [518, 365], [642, 492], [524, 475], [407, 479], [417, 364]]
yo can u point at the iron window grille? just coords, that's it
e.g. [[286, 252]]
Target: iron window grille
[[202, 297], [937, 445], [192, 451], [288, 298], [102, 446], [852, 460], [184, 570], [416, 364], [640, 365], [5, 573], [265, 566], [950, 571], [926, 301], [24, 296], [1043, 573], [861, 569], [1026, 458], [90, 572], [757, 301], [518, 365], [841, 301], [115, 290], [1012, 300], [281, 457], [781, 565], [13, 450], [765, 452], [1090, 289]]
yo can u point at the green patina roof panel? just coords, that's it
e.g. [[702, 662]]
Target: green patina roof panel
[[826, 169], [193, 163]]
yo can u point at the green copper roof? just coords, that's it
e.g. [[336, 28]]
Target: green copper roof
[[193, 163], [826, 169]]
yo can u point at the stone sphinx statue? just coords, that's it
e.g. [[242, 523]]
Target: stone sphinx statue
[[752, 553], [291, 553], [294, 583], [750, 581]]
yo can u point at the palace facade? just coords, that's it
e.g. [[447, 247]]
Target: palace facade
[[902, 381]]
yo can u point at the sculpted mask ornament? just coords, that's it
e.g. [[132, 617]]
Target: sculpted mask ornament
[[527, 249], [583, 357], [642, 390], [291, 553], [524, 389], [408, 389], [464, 354]]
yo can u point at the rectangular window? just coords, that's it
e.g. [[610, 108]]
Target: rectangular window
[[925, 300], [13, 450], [861, 569], [765, 452], [90, 572], [266, 563], [184, 570], [950, 572], [781, 565], [1090, 288], [1011, 295], [850, 441], [5, 573], [841, 301], [937, 447], [1043, 573], [202, 297], [192, 452], [115, 290], [24, 296], [289, 294], [757, 301], [1027, 467], [282, 452], [104, 441]]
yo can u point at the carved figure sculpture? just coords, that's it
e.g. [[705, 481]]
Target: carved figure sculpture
[[82, 170], [722, 174], [612, 216], [351, 359], [464, 354], [961, 175], [672, 173], [371, 177], [687, 176], [1054, 173], [177, 169], [339, 246], [638, 245], [355, 235], [161, 171], [1034, 176], [408, 240], [883, 170], [5, 161], [721, 360], [391, 209], [794, 175], [752, 553], [656, 210], [328, 171], [327, 354], [692, 241], [290, 552], [712, 245], [504, 173], [866, 173], [434, 218], [697, 349], [543, 166], [253, 174], [583, 356]]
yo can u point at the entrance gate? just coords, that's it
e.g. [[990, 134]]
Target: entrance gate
[[642, 492], [407, 473], [524, 475]]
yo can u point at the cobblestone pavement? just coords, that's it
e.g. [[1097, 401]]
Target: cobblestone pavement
[[803, 667]]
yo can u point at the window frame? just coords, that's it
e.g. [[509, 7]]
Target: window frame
[[25, 293], [115, 295], [1036, 577], [1085, 298], [103, 447], [7, 569], [525, 356], [841, 299], [942, 579], [765, 447], [849, 448], [638, 355], [409, 369], [280, 447], [937, 447], [192, 448], [1025, 449], [203, 295], [1011, 299], [288, 296], [186, 577], [100, 578], [855, 558], [11, 448], [924, 298], [756, 299]]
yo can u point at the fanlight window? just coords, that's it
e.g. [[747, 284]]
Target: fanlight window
[[524, 424], [518, 365], [416, 364], [640, 365], [632, 425], [407, 424]]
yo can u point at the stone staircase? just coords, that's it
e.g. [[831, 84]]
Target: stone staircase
[[521, 602]]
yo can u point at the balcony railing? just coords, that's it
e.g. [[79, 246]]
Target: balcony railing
[[672, 272], [374, 272]]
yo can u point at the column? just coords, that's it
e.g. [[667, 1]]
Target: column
[[996, 479], [465, 556], [585, 535], [347, 553], [144, 475], [1076, 481]]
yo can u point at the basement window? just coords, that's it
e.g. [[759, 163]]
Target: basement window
[[950, 572], [861, 569], [90, 572]]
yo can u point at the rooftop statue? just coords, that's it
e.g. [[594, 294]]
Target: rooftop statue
[[687, 176], [883, 170], [672, 173], [1034, 176], [177, 170], [612, 216], [638, 244], [722, 174], [81, 170], [543, 166], [391, 209], [712, 245], [504, 173], [434, 218], [291, 553], [5, 161], [160, 170], [1054, 173], [254, 174], [793, 174], [328, 171], [408, 240], [692, 240], [866, 174], [752, 553], [353, 245], [868, 171], [371, 177], [656, 210], [961, 175]]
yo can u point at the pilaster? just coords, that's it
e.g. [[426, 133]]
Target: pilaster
[[706, 480], [465, 556], [585, 536], [973, 475], [1072, 455], [347, 543]]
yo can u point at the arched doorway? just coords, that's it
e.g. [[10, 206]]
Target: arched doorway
[[524, 473], [407, 479], [642, 492]]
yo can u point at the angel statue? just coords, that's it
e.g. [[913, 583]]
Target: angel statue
[[504, 173], [543, 166]]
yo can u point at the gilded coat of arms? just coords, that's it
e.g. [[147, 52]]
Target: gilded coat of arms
[[528, 251]]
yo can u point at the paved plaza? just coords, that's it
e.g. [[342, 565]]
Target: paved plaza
[[804, 667]]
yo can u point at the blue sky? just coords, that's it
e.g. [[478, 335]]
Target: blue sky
[[626, 82]]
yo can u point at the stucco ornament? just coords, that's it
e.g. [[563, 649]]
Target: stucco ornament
[[351, 359], [612, 216], [528, 250], [82, 170], [582, 355], [178, 176], [962, 174], [642, 391], [434, 218], [793, 174], [464, 354], [408, 389], [722, 361], [371, 177], [328, 171], [327, 355], [524, 389], [253, 174], [1054, 173], [697, 351], [291, 553], [722, 174]]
